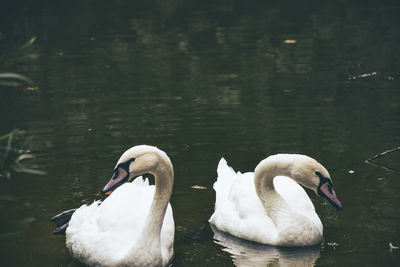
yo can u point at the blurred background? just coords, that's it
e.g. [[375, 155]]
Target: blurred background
[[82, 81]]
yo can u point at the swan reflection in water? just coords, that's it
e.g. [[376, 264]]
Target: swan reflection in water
[[247, 253]]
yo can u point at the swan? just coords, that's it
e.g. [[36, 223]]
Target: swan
[[269, 206], [134, 226]]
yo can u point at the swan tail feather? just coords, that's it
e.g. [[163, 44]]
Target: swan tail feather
[[61, 221], [225, 179], [63, 217], [61, 230]]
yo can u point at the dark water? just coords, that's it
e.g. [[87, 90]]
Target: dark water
[[201, 80]]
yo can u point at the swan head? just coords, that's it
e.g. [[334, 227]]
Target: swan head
[[306, 171], [135, 161], [311, 174]]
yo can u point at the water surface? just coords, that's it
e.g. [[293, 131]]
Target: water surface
[[202, 80]]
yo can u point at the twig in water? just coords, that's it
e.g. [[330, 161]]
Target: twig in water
[[383, 154], [377, 156]]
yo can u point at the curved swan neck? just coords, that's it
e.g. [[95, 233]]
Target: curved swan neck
[[149, 242], [293, 226], [289, 165], [164, 179], [265, 173]]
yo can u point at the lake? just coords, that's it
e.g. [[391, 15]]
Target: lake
[[203, 80]]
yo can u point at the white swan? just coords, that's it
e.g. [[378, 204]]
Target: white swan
[[134, 226], [267, 206]]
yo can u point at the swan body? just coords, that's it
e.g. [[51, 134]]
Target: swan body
[[269, 206], [134, 226]]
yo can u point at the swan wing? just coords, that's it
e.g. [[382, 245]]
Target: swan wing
[[238, 211], [104, 232], [298, 200], [293, 194], [167, 236]]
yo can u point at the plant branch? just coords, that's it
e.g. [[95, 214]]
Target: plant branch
[[380, 155], [377, 156]]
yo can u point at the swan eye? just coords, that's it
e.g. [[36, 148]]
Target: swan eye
[[125, 165], [323, 179]]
